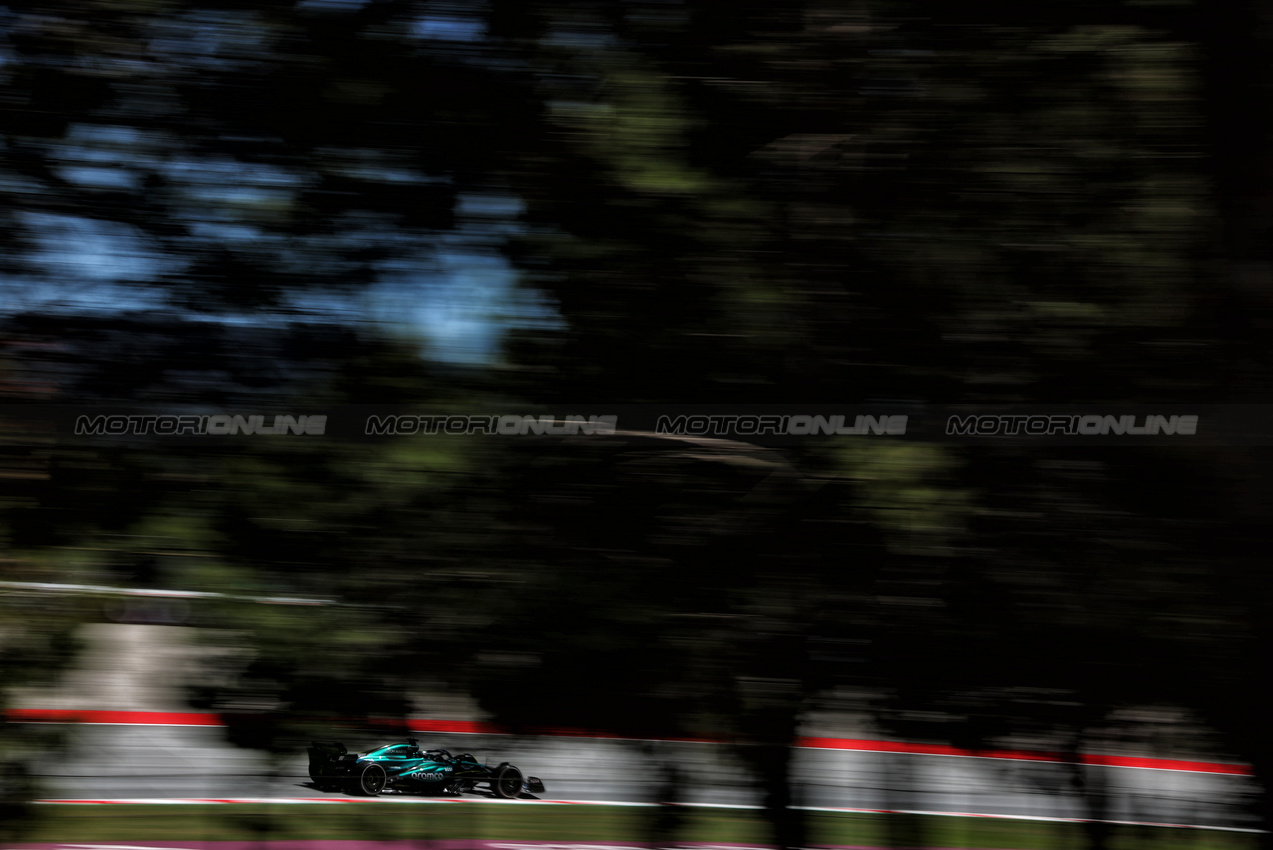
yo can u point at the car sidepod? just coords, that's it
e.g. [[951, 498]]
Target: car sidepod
[[428, 777]]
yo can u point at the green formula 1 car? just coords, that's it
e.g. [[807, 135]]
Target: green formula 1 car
[[405, 768]]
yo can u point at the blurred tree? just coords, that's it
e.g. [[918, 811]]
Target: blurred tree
[[670, 588]]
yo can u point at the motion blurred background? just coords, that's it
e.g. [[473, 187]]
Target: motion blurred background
[[286, 208]]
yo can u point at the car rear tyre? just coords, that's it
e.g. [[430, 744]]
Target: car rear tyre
[[508, 783], [371, 780]]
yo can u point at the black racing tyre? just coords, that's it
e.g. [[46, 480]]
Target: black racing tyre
[[371, 780], [508, 783]]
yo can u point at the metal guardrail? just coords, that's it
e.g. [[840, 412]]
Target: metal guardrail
[[106, 590]]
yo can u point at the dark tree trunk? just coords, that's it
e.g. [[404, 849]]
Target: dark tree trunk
[[665, 825], [1095, 792], [773, 764]]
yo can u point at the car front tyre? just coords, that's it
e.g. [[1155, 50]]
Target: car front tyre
[[508, 783]]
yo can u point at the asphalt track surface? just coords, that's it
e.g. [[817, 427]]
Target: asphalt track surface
[[129, 761]]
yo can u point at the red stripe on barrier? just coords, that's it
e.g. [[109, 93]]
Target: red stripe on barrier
[[153, 718], [865, 745], [475, 727], [1169, 764], [463, 727]]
